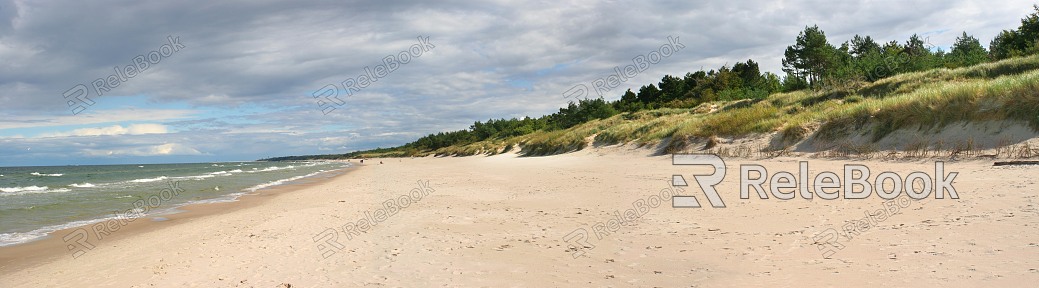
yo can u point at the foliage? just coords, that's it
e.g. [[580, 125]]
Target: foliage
[[824, 84], [1022, 41]]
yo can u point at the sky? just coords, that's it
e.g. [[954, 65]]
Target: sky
[[127, 82]]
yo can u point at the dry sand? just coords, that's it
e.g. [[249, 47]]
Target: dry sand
[[500, 221]]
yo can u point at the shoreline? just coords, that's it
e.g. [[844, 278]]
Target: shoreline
[[51, 247]]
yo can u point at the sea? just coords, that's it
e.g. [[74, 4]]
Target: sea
[[35, 201]]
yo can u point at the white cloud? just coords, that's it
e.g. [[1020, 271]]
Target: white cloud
[[132, 129], [156, 150]]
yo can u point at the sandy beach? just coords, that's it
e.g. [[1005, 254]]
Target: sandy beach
[[501, 221]]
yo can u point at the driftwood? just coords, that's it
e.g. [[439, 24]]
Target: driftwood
[[1008, 163]]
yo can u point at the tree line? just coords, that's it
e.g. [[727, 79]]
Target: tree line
[[811, 63]]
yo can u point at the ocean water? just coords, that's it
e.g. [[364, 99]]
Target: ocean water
[[35, 201]]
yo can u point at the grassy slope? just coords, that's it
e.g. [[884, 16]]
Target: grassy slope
[[1005, 90]]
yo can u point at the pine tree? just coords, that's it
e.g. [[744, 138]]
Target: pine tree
[[967, 51]]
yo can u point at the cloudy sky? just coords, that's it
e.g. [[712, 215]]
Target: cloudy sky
[[236, 80]]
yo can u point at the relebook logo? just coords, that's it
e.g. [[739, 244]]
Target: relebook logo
[[328, 241], [78, 241], [826, 185], [78, 97]]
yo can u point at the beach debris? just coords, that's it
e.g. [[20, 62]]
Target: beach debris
[[1011, 163]]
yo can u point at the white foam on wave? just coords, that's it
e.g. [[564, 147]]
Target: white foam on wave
[[276, 168], [225, 173], [279, 182], [145, 180], [196, 177], [222, 199], [84, 185], [13, 191], [7, 239], [48, 175], [20, 189]]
